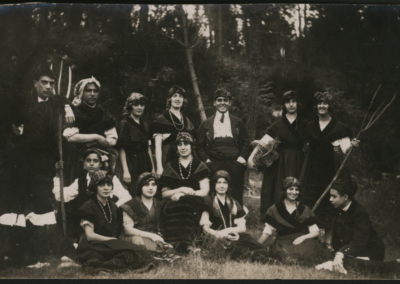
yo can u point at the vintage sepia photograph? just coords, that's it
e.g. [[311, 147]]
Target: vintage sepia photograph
[[199, 141]]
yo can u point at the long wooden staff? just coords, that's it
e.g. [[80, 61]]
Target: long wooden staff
[[60, 150], [372, 120]]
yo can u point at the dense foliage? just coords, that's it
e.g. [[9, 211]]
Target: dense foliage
[[346, 49]]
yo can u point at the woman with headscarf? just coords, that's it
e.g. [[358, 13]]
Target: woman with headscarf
[[224, 218], [135, 156], [99, 249], [294, 223], [142, 219], [184, 183], [165, 128], [93, 127], [78, 192], [288, 135]]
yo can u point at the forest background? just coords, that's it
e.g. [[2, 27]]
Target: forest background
[[256, 51]]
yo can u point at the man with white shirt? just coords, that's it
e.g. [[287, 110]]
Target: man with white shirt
[[223, 143], [328, 141], [93, 127]]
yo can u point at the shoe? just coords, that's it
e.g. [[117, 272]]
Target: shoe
[[329, 247], [68, 265], [147, 268], [66, 259]]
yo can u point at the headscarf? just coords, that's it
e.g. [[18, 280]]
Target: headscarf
[[143, 179], [131, 100], [103, 155], [231, 205], [80, 87], [289, 182], [184, 137], [97, 178], [289, 95], [324, 97], [176, 89]]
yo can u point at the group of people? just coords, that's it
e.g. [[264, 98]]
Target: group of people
[[126, 209]]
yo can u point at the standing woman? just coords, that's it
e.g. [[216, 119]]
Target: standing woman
[[223, 218], [135, 156], [165, 128], [288, 132], [295, 224], [99, 249]]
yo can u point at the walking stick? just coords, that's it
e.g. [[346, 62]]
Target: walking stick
[[372, 120], [60, 150]]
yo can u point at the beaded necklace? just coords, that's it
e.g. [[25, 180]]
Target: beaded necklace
[[175, 124], [190, 169], [222, 216], [109, 208]]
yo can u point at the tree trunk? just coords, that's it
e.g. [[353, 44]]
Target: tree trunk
[[191, 67], [299, 13], [143, 18], [252, 106]]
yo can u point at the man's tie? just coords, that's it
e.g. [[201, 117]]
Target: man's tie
[[222, 118]]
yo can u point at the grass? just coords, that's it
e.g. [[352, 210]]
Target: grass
[[380, 198]]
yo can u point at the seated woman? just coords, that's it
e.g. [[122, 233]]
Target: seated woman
[[295, 224], [223, 218], [77, 193], [99, 249], [184, 182], [141, 219]]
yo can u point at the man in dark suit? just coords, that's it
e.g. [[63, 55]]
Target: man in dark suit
[[223, 143], [356, 243]]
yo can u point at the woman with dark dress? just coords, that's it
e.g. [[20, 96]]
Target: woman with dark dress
[[294, 223], [288, 132], [142, 217], [135, 156], [184, 183], [166, 127], [99, 249], [224, 218]]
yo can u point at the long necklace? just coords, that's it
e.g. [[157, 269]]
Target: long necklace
[[105, 215], [222, 216], [190, 169], [177, 124]]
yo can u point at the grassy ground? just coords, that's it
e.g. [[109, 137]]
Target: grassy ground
[[380, 198]]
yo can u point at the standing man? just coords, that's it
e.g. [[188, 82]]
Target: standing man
[[25, 196], [328, 143], [288, 132], [93, 127], [223, 143]]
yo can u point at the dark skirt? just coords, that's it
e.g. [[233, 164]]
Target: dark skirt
[[288, 165], [111, 255], [181, 220], [284, 249], [247, 248], [138, 162]]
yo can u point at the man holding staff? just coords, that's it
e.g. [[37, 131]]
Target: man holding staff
[[25, 201]]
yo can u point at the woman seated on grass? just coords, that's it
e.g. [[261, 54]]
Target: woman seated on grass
[[184, 182], [141, 219], [77, 193], [294, 223], [98, 249], [223, 218]]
